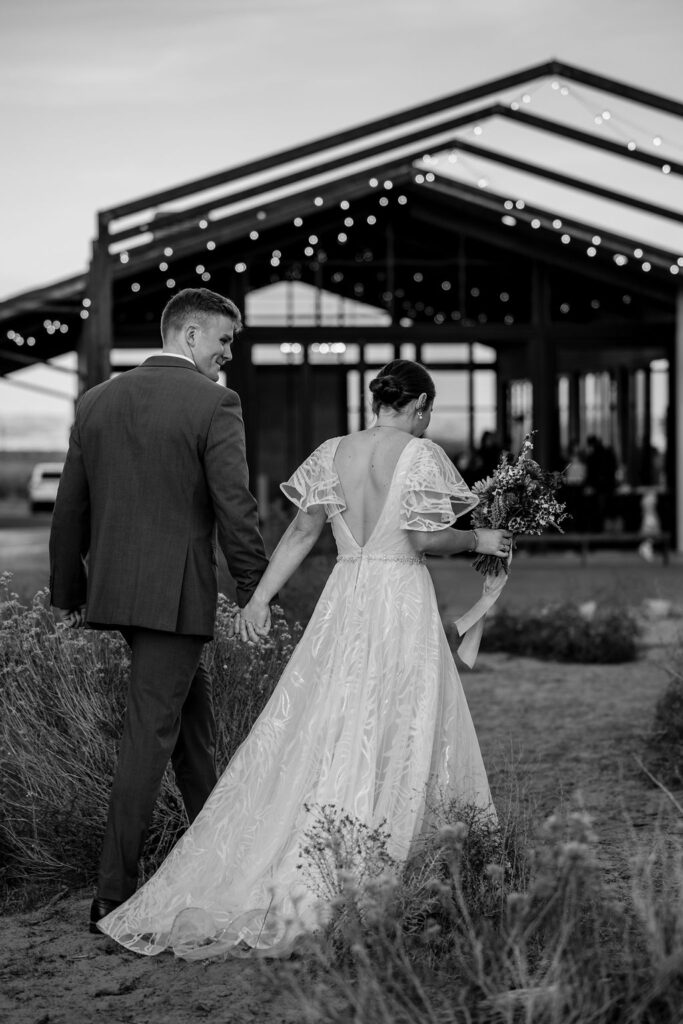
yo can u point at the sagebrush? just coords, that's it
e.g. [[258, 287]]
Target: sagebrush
[[62, 701], [564, 632]]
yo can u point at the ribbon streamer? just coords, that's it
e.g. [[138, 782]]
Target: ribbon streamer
[[470, 626]]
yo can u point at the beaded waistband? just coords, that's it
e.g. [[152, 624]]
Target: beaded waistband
[[406, 559]]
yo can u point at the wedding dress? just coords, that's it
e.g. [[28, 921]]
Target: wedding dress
[[369, 716]]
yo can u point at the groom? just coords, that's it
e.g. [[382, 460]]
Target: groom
[[156, 466]]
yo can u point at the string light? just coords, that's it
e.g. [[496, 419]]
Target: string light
[[168, 251], [388, 185], [253, 235], [318, 201], [124, 257], [535, 223], [666, 168], [402, 200], [199, 269], [170, 283], [591, 251], [163, 266], [210, 246], [383, 201], [203, 225], [509, 221], [297, 222], [344, 205], [342, 237], [372, 219], [348, 222], [240, 268], [135, 286]]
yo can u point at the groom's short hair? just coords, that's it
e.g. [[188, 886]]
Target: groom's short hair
[[196, 303]]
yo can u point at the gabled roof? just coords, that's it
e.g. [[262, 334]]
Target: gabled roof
[[238, 219]]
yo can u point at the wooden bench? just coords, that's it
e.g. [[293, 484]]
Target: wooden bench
[[585, 542]]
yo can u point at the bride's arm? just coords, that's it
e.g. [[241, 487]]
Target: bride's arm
[[292, 548], [452, 542]]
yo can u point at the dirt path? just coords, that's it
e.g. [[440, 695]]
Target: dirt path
[[568, 729]]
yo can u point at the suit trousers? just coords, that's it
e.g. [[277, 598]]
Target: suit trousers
[[169, 715]]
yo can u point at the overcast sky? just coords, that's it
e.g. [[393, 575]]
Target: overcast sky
[[104, 100]]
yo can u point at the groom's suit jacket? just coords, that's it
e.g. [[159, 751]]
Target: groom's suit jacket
[[156, 466]]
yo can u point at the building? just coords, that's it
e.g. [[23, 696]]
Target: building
[[372, 243]]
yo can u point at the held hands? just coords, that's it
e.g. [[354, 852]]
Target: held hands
[[71, 618], [493, 542], [252, 622]]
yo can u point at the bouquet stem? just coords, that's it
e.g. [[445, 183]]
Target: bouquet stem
[[491, 565]]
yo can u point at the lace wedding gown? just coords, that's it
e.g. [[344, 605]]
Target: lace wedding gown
[[369, 716]]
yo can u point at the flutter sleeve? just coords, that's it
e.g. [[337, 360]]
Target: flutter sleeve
[[315, 482], [434, 494]]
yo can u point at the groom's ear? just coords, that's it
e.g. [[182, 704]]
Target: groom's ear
[[190, 335]]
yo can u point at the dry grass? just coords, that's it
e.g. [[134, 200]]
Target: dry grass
[[62, 698]]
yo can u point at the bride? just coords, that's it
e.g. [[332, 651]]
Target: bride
[[369, 716]]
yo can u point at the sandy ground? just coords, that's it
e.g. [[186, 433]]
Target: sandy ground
[[571, 731]]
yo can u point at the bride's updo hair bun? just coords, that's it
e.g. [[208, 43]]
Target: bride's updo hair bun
[[386, 390], [398, 383]]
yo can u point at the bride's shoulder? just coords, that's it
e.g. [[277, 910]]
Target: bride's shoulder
[[426, 450]]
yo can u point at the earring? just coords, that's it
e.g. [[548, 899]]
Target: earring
[[419, 414]]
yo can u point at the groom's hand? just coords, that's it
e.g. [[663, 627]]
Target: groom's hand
[[71, 618], [252, 622]]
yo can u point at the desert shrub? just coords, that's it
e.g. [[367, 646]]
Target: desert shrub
[[564, 632], [62, 699], [552, 946]]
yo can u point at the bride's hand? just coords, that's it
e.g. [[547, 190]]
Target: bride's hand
[[494, 542], [253, 621]]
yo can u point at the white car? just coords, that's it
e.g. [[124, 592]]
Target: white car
[[43, 484]]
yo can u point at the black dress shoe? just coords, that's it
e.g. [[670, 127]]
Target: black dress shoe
[[99, 909]]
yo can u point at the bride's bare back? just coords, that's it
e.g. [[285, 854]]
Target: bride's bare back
[[365, 463]]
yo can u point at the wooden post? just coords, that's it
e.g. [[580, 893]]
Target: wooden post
[[543, 371], [241, 378], [98, 329], [676, 371]]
